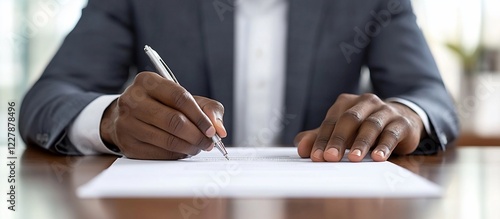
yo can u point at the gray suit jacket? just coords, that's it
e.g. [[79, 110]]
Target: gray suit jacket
[[328, 43]]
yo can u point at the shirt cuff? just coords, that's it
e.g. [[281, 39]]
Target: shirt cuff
[[84, 132], [419, 111]]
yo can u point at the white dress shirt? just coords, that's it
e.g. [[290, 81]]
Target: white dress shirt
[[260, 49]]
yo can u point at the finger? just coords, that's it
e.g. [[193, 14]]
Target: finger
[[390, 137], [348, 125], [415, 130], [215, 111], [152, 135], [175, 96], [145, 151], [328, 124], [171, 121], [368, 134], [304, 142], [322, 137]]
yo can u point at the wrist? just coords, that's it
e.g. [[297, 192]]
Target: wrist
[[106, 129]]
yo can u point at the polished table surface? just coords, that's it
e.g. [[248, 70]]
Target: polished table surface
[[470, 177]]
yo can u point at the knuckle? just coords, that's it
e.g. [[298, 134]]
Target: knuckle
[[363, 141], [214, 106], [322, 140], [339, 139], [394, 134], [375, 123], [149, 135], [388, 109], [405, 121], [353, 115], [180, 97], [179, 146], [155, 109], [407, 125], [171, 142], [217, 106], [202, 123], [150, 83], [131, 97], [176, 122], [139, 78], [343, 97], [372, 98], [329, 122]]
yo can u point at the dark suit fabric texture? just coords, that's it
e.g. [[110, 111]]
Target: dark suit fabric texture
[[328, 42]]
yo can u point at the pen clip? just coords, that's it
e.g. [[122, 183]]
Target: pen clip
[[168, 69], [160, 65]]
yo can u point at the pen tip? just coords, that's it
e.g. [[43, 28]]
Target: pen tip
[[146, 48], [227, 158]]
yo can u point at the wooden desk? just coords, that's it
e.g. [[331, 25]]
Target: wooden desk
[[470, 177], [469, 138]]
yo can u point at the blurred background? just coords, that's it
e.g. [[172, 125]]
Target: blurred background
[[464, 36]]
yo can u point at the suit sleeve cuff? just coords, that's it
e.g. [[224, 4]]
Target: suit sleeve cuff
[[84, 132], [419, 111]]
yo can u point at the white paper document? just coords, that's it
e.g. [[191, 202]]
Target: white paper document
[[256, 173]]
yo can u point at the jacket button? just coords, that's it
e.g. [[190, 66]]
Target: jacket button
[[442, 138], [42, 138]]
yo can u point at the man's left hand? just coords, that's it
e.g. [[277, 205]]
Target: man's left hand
[[362, 122]]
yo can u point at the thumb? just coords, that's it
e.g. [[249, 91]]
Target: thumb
[[304, 142], [215, 112]]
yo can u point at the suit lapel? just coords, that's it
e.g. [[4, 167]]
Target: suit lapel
[[303, 23], [218, 29]]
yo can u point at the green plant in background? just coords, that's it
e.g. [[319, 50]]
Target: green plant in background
[[469, 60]]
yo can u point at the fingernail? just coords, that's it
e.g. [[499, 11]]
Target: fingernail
[[380, 153], [318, 154], [220, 124], [356, 152], [333, 151], [210, 132]]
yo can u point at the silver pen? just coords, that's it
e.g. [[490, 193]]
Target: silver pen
[[165, 72]]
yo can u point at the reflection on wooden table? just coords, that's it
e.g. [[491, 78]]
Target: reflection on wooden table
[[470, 177]]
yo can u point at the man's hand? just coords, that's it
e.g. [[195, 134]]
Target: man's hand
[[157, 119], [361, 123]]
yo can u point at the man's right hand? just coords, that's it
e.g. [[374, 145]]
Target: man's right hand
[[158, 119]]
